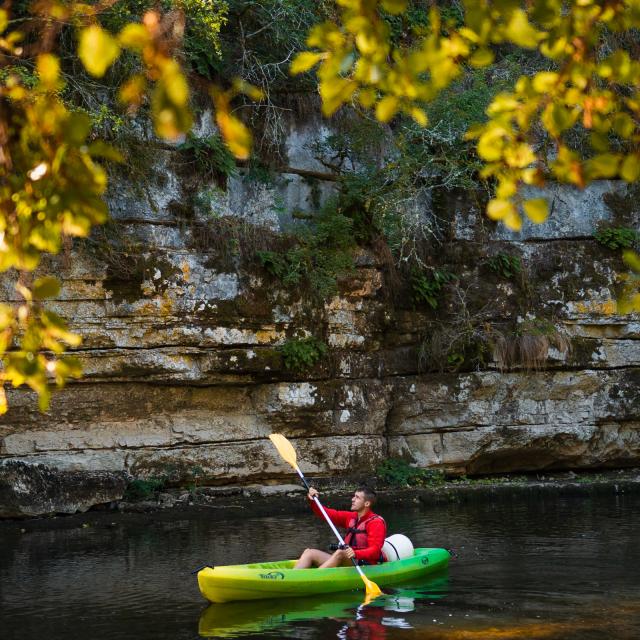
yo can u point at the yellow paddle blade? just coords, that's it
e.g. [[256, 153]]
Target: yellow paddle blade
[[371, 589], [285, 449]]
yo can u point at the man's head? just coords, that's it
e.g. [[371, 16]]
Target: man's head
[[363, 498]]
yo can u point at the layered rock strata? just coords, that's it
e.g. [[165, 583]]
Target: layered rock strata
[[184, 374]]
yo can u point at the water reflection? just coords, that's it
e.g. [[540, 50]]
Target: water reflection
[[358, 620], [548, 567]]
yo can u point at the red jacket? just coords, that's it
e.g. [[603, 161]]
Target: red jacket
[[375, 527]]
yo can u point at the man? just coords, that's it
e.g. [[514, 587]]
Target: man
[[365, 533]]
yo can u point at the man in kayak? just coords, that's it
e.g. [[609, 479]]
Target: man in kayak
[[364, 538]]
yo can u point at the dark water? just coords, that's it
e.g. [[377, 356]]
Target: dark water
[[551, 568]]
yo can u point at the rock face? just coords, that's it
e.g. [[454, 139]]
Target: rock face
[[184, 373], [36, 489]]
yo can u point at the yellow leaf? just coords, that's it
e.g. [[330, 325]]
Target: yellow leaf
[[48, 67], [513, 221], [520, 31], [630, 169], [629, 303], [394, 7], [603, 165], [367, 97], [544, 81], [4, 20], [419, 116], [304, 61], [46, 287], [25, 292], [631, 259], [506, 189], [236, 135], [499, 209], [3, 400], [44, 394], [97, 50], [132, 91], [249, 90], [134, 36], [519, 156], [335, 93], [481, 58], [557, 118], [537, 209], [174, 84], [556, 48], [387, 108], [491, 144], [503, 102], [623, 125]]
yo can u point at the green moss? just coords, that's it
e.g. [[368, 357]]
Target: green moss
[[144, 489], [397, 472], [426, 287], [505, 265], [617, 237], [320, 254], [301, 354], [209, 157]]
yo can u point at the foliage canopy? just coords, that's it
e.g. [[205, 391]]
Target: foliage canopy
[[390, 56]]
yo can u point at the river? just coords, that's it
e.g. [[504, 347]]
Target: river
[[548, 567]]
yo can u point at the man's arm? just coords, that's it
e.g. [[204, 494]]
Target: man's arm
[[339, 518], [376, 530]]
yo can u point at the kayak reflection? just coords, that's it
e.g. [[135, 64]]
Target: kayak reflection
[[235, 619]]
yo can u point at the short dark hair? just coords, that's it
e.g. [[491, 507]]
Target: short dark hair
[[369, 494]]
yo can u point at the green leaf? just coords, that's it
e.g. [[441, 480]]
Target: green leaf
[[47, 287], [97, 50], [77, 128]]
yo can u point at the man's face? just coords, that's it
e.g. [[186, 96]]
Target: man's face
[[358, 501]]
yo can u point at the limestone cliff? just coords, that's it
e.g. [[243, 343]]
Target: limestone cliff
[[184, 372]]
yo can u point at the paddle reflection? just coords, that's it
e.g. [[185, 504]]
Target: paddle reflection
[[359, 620]]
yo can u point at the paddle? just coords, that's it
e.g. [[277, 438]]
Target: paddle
[[288, 454]]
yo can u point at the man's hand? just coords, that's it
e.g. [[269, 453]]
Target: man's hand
[[312, 493], [350, 553]]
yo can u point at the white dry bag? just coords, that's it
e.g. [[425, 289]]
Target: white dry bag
[[397, 547]]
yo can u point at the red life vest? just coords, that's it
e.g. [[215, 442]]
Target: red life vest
[[357, 538]]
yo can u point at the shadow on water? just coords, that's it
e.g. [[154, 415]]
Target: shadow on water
[[236, 619]]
